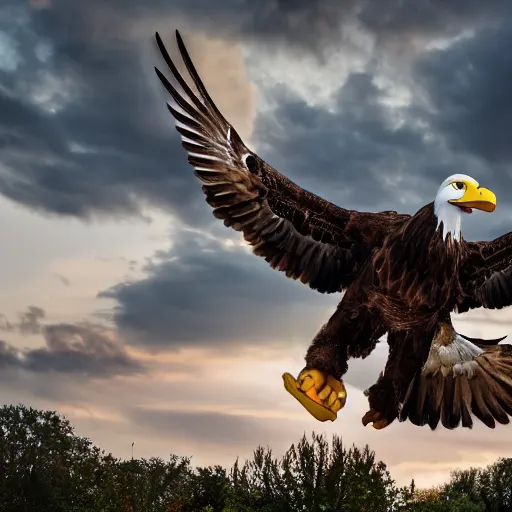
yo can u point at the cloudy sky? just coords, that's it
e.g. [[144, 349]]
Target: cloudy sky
[[126, 306]]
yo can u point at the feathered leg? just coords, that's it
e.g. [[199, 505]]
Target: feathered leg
[[352, 331], [387, 394]]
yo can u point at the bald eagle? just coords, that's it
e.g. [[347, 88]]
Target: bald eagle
[[402, 275]]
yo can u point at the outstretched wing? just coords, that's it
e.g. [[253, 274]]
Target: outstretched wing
[[296, 231], [486, 278], [462, 377]]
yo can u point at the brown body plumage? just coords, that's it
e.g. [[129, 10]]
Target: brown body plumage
[[401, 274]]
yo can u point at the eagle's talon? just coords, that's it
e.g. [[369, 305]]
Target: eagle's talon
[[380, 424], [325, 393], [376, 419], [320, 394], [331, 399]]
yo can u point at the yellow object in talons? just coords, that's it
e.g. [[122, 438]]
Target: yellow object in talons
[[339, 390], [320, 394], [310, 378], [331, 399], [336, 406], [325, 393]]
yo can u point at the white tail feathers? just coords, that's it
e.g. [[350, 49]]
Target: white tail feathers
[[461, 377], [457, 357]]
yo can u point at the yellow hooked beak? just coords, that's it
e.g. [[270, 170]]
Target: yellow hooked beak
[[476, 197]]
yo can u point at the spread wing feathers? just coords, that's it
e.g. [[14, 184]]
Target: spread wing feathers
[[459, 380], [296, 231], [487, 277], [492, 292]]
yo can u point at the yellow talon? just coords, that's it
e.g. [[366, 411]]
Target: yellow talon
[[336, 406], [309, 378], [320, 394], [324, 394], [338, 389], [331, 399]]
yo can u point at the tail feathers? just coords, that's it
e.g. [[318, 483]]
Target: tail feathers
[[453, 397]]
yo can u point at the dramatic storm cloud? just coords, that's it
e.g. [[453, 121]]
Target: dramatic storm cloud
[[202, 292], [79, 99], [468, 87], [84, 349], [29, 321]]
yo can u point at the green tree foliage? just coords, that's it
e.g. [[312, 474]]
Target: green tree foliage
[[46, 467], [460, 503], [314, 477], [151, 485], [490, 486]]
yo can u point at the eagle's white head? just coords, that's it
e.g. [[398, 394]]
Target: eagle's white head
[[457, 195]]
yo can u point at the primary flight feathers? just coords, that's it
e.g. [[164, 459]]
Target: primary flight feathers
[[296, 231]]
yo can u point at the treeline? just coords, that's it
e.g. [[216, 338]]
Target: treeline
[[45, 467]]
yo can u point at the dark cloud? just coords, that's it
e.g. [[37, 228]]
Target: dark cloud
[[84, 128], [81, 349], [356, 155], [80, 129], [398, 19], [305, 26], [29, 321], [345, 153], [468, 85], [5, 325], [301, 25], [8, 355], [203, 293]]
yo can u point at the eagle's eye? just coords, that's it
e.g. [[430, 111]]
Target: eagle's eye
[[459, 185]]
